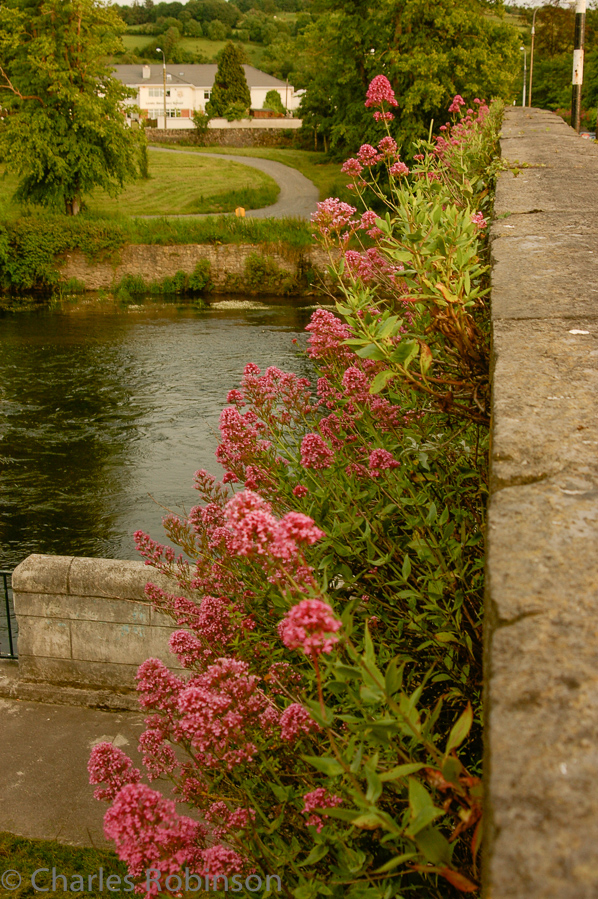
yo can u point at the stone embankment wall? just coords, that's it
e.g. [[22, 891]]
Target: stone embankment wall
[[85, 626], [228, 265], [542, 565]]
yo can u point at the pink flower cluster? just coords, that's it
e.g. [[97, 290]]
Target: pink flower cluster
[[108, 764], [380, 92], [311, 627], [319, 799], [457, 103], [327, 336], [333, 215], [218, 711], [381, 460], [296, 721], [479, 220], [315, 453], [149, 833]]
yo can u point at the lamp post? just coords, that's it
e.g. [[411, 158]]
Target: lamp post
[[531, 57], [524, 74], [577, 79], [158, 50]]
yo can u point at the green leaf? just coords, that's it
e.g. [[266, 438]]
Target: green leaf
[[405, 352], [395, 862], [306, 891], [419, 798], [281, 793], [375, 786], [389, 327], [326, 765], [445, 637], [433, 845], [400, 771], [426, 358], [381, 380], [317, 853], [406, 569], [371, 351], [460, 729], [393, 678]]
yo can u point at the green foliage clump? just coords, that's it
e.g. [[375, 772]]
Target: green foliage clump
[[428, 51], [181, 283], [263, 275], [272, 101], [33, 247], [230, 84]]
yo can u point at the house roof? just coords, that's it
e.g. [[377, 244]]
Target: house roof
[[197, 75]]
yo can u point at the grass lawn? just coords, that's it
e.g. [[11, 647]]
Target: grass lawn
[[196, 45], [26, 856], [326, 175], [177, 184]]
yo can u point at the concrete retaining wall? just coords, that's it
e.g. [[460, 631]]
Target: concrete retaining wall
[[227, 265], [85, 626], [542, 567]]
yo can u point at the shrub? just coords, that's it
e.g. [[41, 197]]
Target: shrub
[[330, 606], [273, 102]]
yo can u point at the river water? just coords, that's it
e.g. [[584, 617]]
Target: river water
[[106, 412]]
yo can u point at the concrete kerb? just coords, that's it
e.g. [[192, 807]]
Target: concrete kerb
[[542, 565]]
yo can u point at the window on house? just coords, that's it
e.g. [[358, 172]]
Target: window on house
[[158, 92], [173, 113], [206, 95]]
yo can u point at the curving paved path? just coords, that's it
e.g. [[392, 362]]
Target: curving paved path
[[298, 195]]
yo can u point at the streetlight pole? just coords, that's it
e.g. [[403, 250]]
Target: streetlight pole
[[577, 80], [524, 74], [531, 58], [158, 50]]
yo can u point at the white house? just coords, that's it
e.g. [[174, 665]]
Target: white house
[[188, 88]]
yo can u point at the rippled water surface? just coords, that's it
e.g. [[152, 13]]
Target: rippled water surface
[[106, 412]]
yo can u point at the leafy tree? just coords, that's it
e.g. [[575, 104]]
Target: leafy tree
[[428, 51], [230, 85], [64, 130]]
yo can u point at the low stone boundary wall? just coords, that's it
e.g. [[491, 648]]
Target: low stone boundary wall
[[542, 566], [85, 626], [227, 266]]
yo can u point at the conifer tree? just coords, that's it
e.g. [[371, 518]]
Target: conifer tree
[[230, 85]]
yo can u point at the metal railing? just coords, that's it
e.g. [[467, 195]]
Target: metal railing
[[8, 621]]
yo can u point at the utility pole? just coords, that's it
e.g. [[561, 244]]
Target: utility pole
[[158, 50], [531, 59], [577, 80]]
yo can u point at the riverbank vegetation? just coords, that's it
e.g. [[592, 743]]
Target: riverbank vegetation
[[329, 591], [32, 247]]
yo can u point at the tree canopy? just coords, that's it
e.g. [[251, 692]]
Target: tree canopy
[[230, 84], [428, 51], [63, 128]]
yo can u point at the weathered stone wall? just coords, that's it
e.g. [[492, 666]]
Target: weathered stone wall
[[85, 626], [227, 263], [542, 565]]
